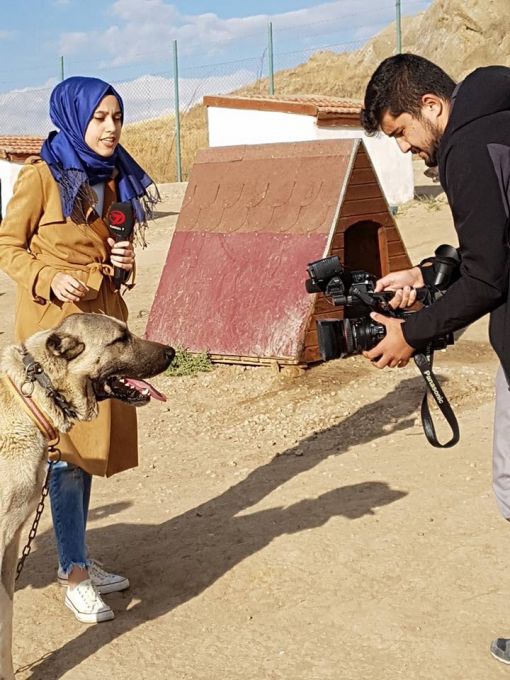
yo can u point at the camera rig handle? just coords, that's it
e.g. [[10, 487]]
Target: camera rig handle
[[379, 301]]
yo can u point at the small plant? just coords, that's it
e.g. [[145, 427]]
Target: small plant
[[189, 363]]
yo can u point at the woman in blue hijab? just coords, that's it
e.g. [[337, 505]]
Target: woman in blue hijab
[[55, 243], [76, 161]]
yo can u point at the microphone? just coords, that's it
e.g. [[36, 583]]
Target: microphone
[[120, 225]]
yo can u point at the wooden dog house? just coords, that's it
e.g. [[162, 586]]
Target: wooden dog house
[[253, 217]]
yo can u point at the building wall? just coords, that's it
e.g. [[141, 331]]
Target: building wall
[[394, 169], [8, 174], [228, 127]]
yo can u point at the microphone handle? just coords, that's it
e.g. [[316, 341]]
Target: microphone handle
[[120, 224], [119, 274]]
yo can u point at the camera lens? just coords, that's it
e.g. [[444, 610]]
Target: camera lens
[[367, 334], [360, 335], [347, 337]]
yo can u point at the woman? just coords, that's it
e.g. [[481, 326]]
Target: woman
[[55, 244]]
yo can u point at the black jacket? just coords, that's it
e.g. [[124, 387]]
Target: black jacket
[[474, 169]]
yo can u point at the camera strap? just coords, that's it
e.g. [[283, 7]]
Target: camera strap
[[424, 361]]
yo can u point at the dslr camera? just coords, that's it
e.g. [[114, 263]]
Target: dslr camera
[[355, 291]]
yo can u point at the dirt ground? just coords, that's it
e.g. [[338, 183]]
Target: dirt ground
[[289, 528]]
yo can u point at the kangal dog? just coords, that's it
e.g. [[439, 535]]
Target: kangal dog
[[65, 371]]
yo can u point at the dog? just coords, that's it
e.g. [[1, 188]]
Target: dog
[[65, 371]]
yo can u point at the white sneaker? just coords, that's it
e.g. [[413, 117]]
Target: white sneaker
[[86, 603], [102, 580]]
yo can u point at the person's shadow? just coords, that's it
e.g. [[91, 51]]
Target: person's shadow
[[188, 553]]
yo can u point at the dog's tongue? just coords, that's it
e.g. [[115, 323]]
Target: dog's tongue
[[142, 385]]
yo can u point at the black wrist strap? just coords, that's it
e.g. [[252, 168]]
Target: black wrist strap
[[424, 362]]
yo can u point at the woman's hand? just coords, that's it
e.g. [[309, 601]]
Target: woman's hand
[[122, 254], [66, 288]]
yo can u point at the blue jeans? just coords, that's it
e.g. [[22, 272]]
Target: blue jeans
[[70, 496]]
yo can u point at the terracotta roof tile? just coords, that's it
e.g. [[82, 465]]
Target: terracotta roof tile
[[12, 146], [312, 104]]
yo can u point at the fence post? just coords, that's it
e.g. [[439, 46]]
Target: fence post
[[270, 56], [177, 117], [61, 68], [398, 22]]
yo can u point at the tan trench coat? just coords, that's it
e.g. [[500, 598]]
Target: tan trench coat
[[36, 242]]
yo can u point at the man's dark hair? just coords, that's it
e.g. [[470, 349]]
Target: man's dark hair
[[398, 85]]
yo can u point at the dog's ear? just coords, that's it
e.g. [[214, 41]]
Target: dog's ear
[[64, 345]]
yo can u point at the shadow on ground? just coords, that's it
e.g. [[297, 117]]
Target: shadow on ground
[[428, 191], [191, 551]]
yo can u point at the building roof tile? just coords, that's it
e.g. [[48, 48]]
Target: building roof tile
[[322, 107], [19, 147]]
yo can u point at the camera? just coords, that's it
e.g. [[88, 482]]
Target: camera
[[355, 291]]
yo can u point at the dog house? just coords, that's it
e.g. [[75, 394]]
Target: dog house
[[252, 218]]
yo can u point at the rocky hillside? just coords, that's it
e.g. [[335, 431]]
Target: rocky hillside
[[459, 35]]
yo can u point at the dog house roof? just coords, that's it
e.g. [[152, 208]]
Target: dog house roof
[[14, 148], [321, 107], [266, 188]]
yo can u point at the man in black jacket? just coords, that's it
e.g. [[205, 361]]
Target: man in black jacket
[[464, 129]]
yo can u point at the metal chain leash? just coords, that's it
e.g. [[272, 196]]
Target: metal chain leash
[[38, 513]]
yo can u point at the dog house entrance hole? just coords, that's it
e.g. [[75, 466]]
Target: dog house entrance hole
[[365, 248]]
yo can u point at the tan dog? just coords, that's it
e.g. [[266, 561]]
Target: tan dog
[[87, 358]]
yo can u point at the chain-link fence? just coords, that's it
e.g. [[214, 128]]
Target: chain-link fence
[[152, 118]]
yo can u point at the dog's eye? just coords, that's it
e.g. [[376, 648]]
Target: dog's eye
[[122, 339]]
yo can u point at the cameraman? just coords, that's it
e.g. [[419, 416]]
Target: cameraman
[[464, 129]]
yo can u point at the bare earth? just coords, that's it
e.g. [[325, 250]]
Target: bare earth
[[289, 528]]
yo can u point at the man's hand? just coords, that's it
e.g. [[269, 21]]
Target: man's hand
[[404, 297], [122, 254], [393, 350], [403, 283]]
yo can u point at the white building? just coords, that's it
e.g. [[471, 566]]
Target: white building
[[236, 120], [13, 153]]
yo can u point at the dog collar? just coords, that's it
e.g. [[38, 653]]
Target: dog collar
[[34, 372], [31, 408]]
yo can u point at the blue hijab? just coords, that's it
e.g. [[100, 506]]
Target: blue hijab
[[74, 164]]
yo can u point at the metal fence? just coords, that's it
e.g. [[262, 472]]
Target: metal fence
[[159, 94]]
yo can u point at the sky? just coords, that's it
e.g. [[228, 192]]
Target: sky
[[221, 45]]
